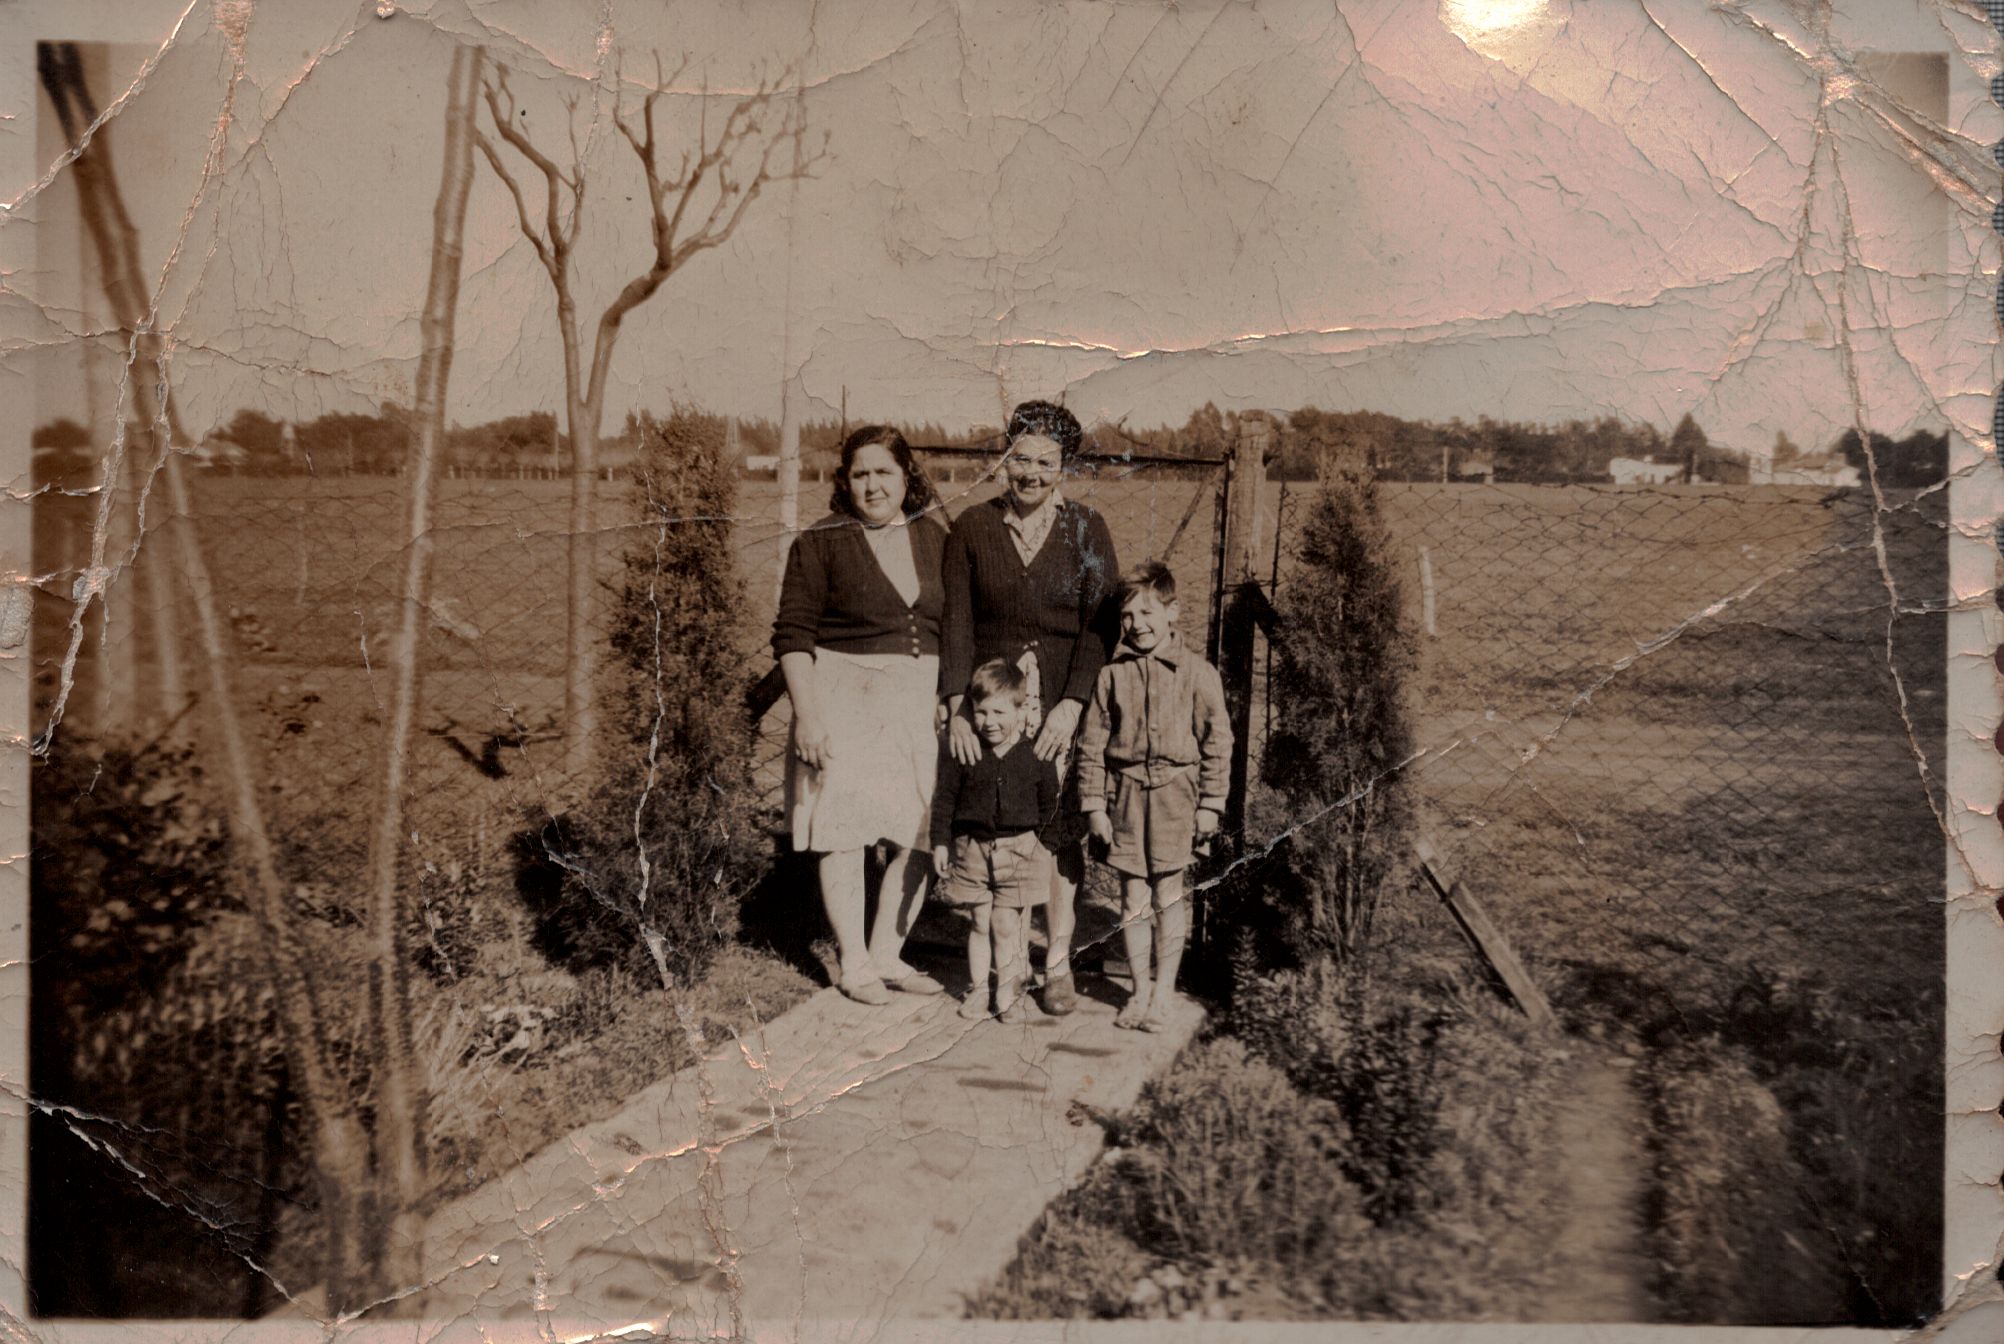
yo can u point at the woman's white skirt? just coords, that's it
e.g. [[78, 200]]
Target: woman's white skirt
[[877, 784]]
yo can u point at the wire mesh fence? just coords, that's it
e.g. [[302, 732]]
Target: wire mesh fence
[[1603, 669], [1686, 746], [1684, 741], [309, 569], [1684, 725]]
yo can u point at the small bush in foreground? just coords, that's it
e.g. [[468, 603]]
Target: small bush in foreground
[[1234, 1192], [1367, 1046], [1221, 1161]]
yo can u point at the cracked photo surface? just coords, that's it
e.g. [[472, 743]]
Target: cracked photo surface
[[1056, 669]]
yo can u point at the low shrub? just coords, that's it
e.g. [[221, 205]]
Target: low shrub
[[1239, 1186], [130, 862], [153, 1046], [1221, 1161], [1225, 1158], [1366, 1044]]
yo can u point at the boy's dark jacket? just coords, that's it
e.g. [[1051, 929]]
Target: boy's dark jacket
[[997, 795]]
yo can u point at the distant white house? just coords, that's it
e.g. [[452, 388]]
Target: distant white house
[[1827, 470], [216, 451], [761, 464], [1641, 471], [1477, 467]]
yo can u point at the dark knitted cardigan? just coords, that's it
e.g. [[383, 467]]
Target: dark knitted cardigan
[[1059, 605], [835, 594], [996, 796]]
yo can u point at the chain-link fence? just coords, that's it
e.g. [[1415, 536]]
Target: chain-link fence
[[1699, 721], [1686, 745], [1684, 742]]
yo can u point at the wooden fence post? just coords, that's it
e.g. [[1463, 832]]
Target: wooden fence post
[[1426, 591], [1241, 600], [1485, 935]]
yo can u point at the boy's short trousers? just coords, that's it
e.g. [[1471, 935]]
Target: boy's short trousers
[[1012, 871], [1153, 829]]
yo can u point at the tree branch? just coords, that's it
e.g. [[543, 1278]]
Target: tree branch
[[521, 206], [558, 238], [743, 126]]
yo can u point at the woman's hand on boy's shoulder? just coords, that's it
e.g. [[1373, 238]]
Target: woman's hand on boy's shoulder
[[1061, 725], [962, 741]]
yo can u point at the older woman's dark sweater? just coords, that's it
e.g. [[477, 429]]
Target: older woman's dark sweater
[[836, 596], [998, 607]]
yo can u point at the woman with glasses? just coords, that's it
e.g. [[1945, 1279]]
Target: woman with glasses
[[1028, 577]]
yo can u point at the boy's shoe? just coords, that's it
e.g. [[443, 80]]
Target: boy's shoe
[[974, 1006], [1014, 1001], [1060, 995]]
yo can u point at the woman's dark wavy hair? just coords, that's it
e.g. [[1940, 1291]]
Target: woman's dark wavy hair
[[1049, 420], [920, 497]]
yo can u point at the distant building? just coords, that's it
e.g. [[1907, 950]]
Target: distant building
[[216, 451], [1828, 471], [1477, 467], [1641, 471], [761, 464], [1832, 473]]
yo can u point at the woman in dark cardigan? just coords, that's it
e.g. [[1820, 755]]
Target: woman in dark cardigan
[[1028, 577], [858, 640]]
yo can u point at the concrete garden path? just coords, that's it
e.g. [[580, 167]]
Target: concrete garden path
[[847, 1164]]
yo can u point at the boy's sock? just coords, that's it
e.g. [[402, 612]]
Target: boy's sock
[[1137, 930], [979, 944], [1172, 926]]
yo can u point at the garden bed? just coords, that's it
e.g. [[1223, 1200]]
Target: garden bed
[[1335, 1151]]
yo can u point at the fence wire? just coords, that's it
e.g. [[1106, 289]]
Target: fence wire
[[1685, 742], [1673, 727], [1686, 746]]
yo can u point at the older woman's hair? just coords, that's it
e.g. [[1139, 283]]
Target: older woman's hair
[[1048, 420], [920, 497]]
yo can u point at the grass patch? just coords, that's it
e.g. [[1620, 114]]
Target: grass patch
[[1735, 1225]]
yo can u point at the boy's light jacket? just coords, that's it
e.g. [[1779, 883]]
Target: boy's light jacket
[[1154, 715]]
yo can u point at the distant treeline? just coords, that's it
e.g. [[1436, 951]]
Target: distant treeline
[[1300, 445]]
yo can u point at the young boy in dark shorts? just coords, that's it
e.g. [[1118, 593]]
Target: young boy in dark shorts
[[1155, 758], [990, 822]]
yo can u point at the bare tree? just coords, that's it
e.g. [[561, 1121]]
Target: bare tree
[[693, 207], [340, 1150], [399, 1133]]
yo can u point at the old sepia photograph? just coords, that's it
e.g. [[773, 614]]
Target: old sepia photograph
[[950, 669]]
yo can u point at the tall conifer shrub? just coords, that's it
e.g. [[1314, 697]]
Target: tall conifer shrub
[[1341, 736], [670, 843]]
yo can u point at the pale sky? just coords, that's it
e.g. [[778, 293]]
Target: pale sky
[[1597, 208]]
